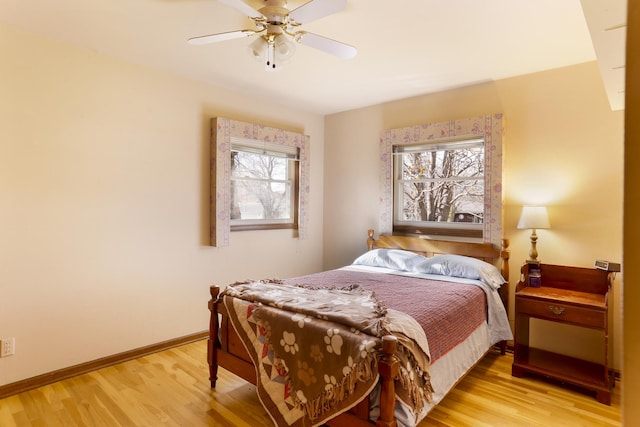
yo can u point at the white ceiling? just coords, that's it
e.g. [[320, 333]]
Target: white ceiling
[[405, 47], [607, 24]]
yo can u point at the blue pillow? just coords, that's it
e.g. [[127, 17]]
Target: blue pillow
[[461, 266], [395, 259]]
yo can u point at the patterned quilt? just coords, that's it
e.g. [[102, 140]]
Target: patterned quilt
[[316, 350]]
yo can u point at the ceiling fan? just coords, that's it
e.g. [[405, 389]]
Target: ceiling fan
[[278, 30]]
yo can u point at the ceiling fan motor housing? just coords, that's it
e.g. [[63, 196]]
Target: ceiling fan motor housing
[[275, 15]]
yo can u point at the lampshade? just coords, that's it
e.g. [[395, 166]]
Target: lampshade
[[533, 217], [284, 49], [258, 49], [274, 50]]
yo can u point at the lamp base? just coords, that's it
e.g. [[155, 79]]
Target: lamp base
[[533, 252]]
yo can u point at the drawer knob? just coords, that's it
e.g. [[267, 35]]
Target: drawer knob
[[556, 310]]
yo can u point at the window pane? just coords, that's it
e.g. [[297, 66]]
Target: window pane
[[440, 184], [261, 187], [252, 199], [443, 164], [443, 201], [260, 166]]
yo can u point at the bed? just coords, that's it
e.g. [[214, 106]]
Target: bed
[[396, 368]]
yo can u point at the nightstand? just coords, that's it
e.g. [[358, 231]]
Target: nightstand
[[570, 295]]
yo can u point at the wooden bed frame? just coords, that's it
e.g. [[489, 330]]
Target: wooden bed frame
[[225, 349]]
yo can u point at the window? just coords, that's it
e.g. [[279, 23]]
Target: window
[[259, 179], [399, 213], [264, 190], [439, 188]]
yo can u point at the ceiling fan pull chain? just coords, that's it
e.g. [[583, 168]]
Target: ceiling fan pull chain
[[271, 60]]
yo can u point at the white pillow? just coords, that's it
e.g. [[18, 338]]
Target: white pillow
[[395, 259], [461, 266]]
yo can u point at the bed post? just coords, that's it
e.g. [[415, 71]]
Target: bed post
[[505, 254], [388, 369], [212, 347], [370, 239]]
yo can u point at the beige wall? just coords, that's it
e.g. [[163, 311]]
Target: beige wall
[[104, 205], [631, 363], [564, 148]]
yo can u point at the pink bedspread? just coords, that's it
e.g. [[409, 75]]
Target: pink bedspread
[[448, 312]]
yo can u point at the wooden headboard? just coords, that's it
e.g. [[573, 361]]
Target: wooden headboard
[[427, 247]]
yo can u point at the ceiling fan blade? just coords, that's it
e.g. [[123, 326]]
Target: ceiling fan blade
[[333, 47], [242, 7], [316, 9], [214, 38]]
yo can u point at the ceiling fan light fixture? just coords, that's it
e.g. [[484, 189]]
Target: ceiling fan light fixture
[[258, 49], [272, 50], [284, 49]]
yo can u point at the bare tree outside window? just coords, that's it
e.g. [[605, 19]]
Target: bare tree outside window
[[261, 186], [440, 184]]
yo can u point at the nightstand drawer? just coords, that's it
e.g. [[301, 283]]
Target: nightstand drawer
[[558, 312]]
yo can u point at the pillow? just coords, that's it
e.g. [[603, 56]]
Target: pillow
[[395, 259], [462, 266]]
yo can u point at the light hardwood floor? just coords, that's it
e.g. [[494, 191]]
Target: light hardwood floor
[[171, 388]]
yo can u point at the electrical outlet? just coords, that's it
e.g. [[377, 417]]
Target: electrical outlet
[[7, 347]]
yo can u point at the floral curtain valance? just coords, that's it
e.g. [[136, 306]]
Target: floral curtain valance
[[490, 127], [222, 132]]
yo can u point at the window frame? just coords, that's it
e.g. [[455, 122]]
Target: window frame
[[223, 131], [293, 177], [490, 127], [433, 228]]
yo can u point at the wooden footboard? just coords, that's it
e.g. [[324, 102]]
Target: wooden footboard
[[224, 349]]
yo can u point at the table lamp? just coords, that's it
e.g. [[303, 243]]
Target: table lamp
[[533, 217]]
